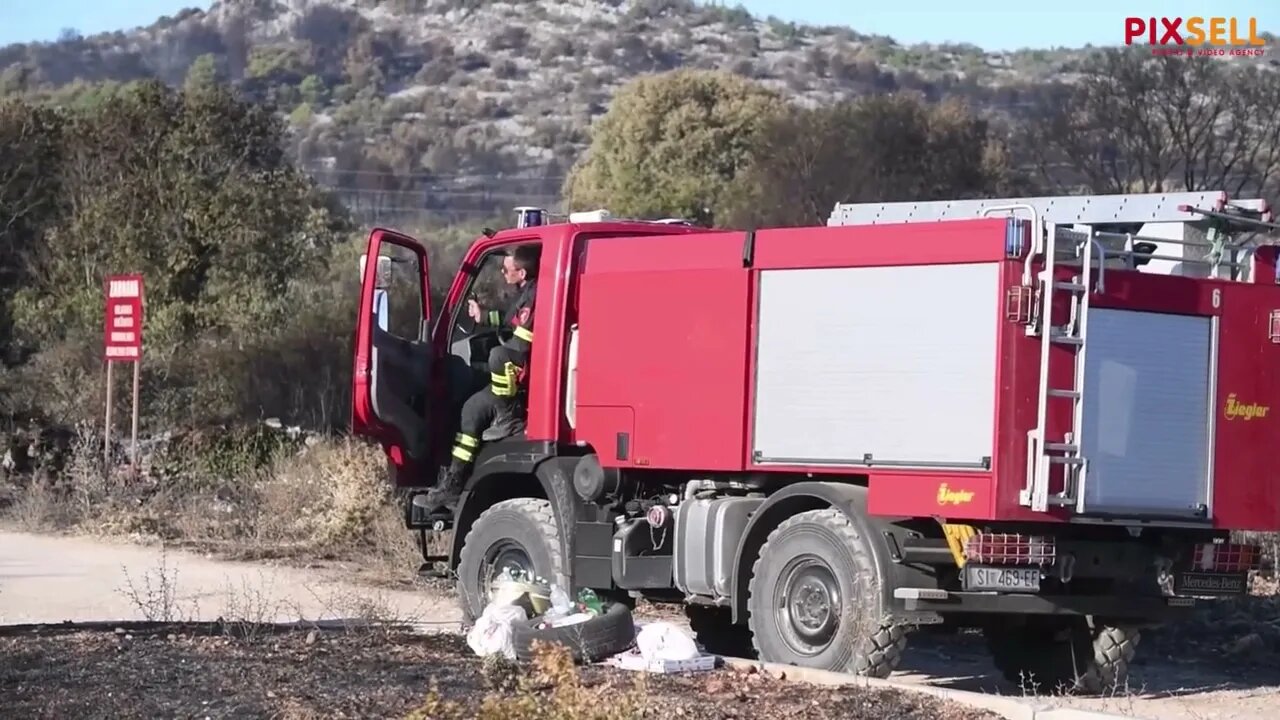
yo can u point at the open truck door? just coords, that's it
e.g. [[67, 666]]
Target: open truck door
[[394, 359]]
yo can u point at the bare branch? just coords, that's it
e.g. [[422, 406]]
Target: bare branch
[[1149, 123]]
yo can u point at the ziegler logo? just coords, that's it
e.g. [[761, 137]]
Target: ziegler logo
[[1236, 410], [947, 496]]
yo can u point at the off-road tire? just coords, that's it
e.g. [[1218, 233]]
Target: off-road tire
[[865, 641], [528, 523], [1055, 655], [714, 629], [602, 636]]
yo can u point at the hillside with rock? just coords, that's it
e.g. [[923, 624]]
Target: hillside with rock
[[426, 103]]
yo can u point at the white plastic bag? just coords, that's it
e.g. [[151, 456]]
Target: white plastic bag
[[492, 631], [664, 641]]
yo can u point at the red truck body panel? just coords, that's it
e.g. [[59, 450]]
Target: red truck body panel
[[1247, 494], [664, 345], [667, 360]]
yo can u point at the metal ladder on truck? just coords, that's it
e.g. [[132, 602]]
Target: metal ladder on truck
[[1070, 218]]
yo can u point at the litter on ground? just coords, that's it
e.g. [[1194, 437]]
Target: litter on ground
[[531, 606]]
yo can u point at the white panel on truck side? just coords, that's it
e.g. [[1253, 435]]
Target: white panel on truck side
[[892, 366], [1147, 425]]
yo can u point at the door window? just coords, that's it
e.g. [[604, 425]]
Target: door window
[[398, 301]]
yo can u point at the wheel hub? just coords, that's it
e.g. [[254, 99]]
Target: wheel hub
[[808, 605], [508, 556]]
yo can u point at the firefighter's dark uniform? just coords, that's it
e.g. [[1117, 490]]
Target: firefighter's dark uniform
[[499, 403]]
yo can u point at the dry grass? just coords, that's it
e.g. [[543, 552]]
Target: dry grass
[[323, 499], [553, 691]]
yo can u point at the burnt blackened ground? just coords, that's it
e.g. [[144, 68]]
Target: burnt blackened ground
[[183, 672]]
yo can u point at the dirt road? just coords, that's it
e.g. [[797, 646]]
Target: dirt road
[[52, 579]]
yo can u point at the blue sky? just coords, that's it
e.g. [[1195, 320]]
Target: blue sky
[[992, 24]]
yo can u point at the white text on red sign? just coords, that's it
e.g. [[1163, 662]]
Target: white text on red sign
[[124, 289]]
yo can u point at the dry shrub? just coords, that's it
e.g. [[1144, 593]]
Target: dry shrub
[[1270, 543], [240, 491], [393, 547], [328, 495], [553, 691], [36, 507], [331, 499], [62, 477]]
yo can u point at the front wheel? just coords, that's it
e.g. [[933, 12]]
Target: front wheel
[[519, 535], [815, 599]]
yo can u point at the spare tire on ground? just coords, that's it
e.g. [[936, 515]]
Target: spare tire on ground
[[597, 638]]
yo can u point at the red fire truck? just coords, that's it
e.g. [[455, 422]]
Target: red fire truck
[[1042, 417]]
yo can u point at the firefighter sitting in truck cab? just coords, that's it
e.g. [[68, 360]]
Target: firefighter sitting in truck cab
[[497, 406]]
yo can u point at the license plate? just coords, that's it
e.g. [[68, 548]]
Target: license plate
[[1002, 579], [1208, 583]]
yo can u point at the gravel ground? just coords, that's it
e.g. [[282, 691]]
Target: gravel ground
[[202, 672]]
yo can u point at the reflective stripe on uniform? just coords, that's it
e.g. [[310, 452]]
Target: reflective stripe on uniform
[[501, 384], [465, 440], [463, 454], [495, 317], [512, 372], [524, 334]]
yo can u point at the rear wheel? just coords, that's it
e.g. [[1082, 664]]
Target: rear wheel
[[815, 599], [1046, 655], [519, 535]]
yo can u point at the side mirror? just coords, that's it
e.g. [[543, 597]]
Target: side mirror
[[382, 280]]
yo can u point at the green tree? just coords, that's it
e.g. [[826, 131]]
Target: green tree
[[194, 192], [302, 115], [273, 61], [31, 200], [313, 90], [874, 149], [672, 144], [202, 75]]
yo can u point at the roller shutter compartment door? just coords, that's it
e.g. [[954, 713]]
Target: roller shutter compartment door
[[1147, 423]]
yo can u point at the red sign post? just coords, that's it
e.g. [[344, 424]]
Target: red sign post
[[122, 342]]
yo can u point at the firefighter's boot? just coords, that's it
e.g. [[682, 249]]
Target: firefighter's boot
[[440, 501]]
